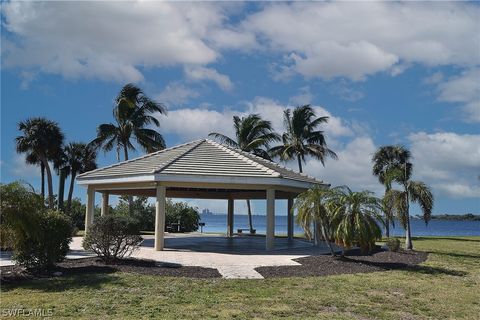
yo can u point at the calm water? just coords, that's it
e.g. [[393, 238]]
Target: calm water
[[218, 223]]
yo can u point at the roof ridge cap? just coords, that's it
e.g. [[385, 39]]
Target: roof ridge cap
[[195, 143], [137, 158], [238, 153]]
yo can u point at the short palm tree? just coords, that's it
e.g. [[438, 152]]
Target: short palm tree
[[312, 210], [41, 139], [253, 135], [80, 158], [133, 115], [302, 138], [355, 217], [386, 161]]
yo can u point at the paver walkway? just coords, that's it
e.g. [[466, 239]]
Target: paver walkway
[[234, 258]]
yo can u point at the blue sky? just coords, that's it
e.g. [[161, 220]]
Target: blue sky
[[385, 73]]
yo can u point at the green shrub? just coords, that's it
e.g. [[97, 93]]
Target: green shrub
[[112, 237], [6, 238], [181, 212], [49, 244], [393, 244]]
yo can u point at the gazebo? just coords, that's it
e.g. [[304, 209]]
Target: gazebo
[[200, 169]]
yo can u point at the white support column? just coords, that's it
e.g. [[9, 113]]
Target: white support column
[[160, 218], [104, 203], [290, 223], [270, 237], [90, 207], [230, 218]]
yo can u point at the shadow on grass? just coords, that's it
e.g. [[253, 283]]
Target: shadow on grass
[[91, 277], [408, 267]]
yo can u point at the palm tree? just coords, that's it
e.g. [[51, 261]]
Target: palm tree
[[133, 114], [312, 210], [62, 168], [417, 192], [32, 159], [355, 216], [80, 158], [253, 135], [385, 160], [302, 137], [41, 138], [396, 167]]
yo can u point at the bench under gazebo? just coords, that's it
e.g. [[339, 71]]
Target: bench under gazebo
[[200, 169]]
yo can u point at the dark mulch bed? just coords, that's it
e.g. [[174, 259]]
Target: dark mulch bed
[[353, 262], [96, 265]]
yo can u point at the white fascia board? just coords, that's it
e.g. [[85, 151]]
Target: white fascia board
[[233, 180], [117, 179]]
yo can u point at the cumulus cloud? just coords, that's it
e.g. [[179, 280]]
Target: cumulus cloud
[[450, 162], [117, 40], [110, 40], [201, 73], [465, 90], [353, 167], [176, 93], [354, 40]]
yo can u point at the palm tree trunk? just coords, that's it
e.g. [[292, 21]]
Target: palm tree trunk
[[61, 188], [387, 227], [42, 170], [51, 203], [408, 236], [299, 164], [327, 238], [70, 190], [130, 198], [249, 210]]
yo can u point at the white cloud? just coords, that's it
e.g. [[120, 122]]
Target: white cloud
[[463, 89], [110, 40], [304, 96], [448, 161], [202, 73], [202, 121], [353, 167], [117, 40], [176, 94], [354, 40], [21, 169]]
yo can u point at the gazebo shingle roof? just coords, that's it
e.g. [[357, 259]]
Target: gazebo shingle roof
[[203, 158]]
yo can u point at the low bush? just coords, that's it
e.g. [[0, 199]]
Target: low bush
[[112, 237], [393, 244], [181, 212], [48, 244]]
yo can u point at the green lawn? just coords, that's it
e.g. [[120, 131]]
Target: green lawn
[[446, 286]]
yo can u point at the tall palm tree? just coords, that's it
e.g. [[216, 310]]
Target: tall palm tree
[[385, 160], [253, 135], [62, 167], [302, 137], [32, 159], [41, 138], [133, 114], [80, 158], [312, 210], [356, 217]]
